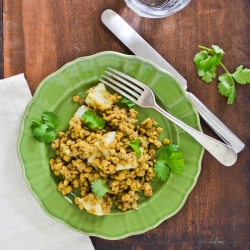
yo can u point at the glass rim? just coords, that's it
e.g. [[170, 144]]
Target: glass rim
[[154, 12]]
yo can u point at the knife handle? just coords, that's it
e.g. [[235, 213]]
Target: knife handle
[[217, 125]]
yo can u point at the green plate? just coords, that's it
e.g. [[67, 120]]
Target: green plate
[[55, 94]]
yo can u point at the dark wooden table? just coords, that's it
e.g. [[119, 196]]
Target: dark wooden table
[[38, 37]]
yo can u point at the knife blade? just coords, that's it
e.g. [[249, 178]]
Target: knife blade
[[129, 37]]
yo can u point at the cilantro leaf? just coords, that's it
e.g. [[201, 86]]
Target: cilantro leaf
[[135, 145], [35, 124], [127, 102], [42, 132], [176, 163], [167, 151], [206, 76], [49, 136], [210, 63], [206, 62], [99, 188], [50, 119], [199, 57], [241, 75], [38, 130], [161, 170], [226, 87], [92, 120], [169, 160], [217, 49]]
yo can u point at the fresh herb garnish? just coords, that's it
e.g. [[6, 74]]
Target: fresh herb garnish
[[92, 120], [207, 61], [161, 170], [127, 102], [99, 188], [135, 145], [50, 119], [169, 160], [44, 132]]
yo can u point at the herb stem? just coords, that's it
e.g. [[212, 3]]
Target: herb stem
[[224, 67], [205, 48]]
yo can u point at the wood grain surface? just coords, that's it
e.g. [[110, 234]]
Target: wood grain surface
[[41, 36]]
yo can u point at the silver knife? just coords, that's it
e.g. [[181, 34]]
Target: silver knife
[[141, 48]]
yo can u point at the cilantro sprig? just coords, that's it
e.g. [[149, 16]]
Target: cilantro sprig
[[44, 132], [207, 61], [169, 160], [135, 145], [92, 120], [99, 188]]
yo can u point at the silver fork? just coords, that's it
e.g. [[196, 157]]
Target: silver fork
[[143, 96]]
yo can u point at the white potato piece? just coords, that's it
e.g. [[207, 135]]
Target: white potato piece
[[85, 202], [128, 165], [91, 158], [104, 144], [98, 97], [81, 110]]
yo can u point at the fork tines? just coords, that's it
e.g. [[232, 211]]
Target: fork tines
[[123, 84]]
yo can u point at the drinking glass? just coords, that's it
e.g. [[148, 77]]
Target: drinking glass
[[156, 8]]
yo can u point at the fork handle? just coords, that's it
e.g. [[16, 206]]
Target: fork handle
[[222, 152]]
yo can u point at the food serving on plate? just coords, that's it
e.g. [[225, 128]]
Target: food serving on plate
[[106, 154], [55, 93]]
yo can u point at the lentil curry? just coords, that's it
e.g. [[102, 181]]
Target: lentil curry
[[85, 155]]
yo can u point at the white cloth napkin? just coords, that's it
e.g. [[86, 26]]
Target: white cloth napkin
[[23, 222]]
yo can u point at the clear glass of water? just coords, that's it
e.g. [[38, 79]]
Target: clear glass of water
[[156, 8]]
